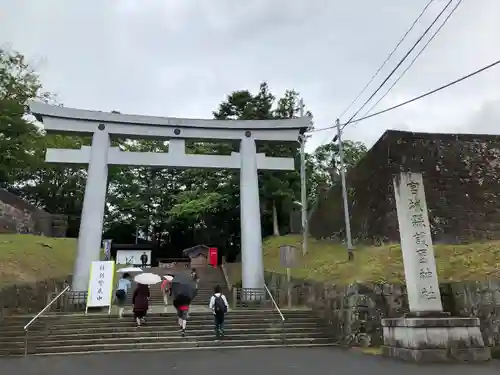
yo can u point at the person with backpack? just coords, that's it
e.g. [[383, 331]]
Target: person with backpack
[[121, 293], [218, 304]]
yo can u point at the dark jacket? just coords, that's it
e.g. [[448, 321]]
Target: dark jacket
[[144, 258], [140, 298]]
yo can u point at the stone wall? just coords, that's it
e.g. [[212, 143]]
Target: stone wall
[[19, 216], [462, 184], [358, 308], [28, 297]]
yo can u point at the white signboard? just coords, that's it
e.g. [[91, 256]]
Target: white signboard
[[132, 257], [416, 243], [100, 291]]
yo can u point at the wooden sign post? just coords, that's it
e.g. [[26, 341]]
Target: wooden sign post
[[288, 261]]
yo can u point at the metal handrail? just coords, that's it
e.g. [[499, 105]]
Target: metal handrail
[[274, 302], [27, 326], [283, 334]]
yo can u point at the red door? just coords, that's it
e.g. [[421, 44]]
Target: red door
[[213, 257]]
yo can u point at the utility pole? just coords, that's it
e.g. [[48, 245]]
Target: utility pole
[[347, 219], [303, 186]]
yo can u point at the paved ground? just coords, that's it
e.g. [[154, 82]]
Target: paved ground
[[287, 361]]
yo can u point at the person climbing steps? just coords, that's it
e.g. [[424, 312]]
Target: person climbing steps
[[219, 306]]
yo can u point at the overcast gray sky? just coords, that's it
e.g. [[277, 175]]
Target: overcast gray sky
[[182, 57]]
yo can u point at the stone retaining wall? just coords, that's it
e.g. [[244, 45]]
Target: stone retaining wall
[[359, 308], [28, 297], [461, 175], [19, 216]]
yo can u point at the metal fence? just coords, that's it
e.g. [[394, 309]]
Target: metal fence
[[251, 297], [70, 302]]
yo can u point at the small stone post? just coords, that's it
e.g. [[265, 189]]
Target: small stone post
[[426, 333]]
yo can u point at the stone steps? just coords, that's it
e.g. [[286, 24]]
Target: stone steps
[[101, 333], [174, 346], [172, 337], [209, 278], [104, 321], [201, 298], [159, 344], [146, 331], [130, 327]]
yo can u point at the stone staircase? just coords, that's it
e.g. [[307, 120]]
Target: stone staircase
[[209, 278], [73, 334]]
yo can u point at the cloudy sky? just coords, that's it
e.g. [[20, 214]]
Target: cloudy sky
[[182, 57]]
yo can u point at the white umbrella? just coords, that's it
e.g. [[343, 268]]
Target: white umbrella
[[168, 277], [129, 270], [147, 278]]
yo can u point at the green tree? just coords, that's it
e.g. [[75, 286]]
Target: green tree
[[19, 137], [55, 188], [323, 165], [278, 189]]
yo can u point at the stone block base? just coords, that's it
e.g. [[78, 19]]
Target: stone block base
[[441, 339]]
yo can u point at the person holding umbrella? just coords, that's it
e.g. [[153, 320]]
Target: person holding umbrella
[[183, 292], [140, 299]]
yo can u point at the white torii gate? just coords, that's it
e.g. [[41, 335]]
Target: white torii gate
[[103, 126]]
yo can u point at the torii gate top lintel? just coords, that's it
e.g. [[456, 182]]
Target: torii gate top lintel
[[70, 120]]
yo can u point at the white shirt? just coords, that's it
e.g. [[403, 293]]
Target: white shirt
[[212, 300]]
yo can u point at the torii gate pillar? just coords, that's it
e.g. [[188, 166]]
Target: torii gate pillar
[[92, 217], [252, 262]]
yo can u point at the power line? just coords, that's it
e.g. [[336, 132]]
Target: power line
[[400, 62], [470, 75], [384, 63], [387, 59], [415, 58]]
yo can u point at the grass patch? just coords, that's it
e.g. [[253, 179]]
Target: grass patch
[[27, 258], [327, 261]]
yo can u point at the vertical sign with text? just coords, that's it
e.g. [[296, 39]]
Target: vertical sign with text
[[416, 244], [101, 284], [106, 245]]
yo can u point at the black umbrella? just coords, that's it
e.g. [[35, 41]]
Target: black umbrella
[[183, 289]]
